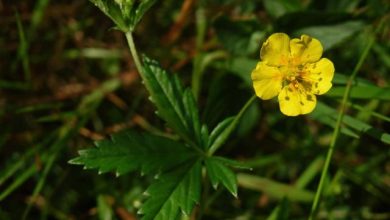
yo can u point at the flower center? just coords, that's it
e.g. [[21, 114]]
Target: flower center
[[293, 75]]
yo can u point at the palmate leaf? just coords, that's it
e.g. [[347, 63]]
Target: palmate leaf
[[219, 173], [130, 151], [125, 13], [174, 192], [175, 104]]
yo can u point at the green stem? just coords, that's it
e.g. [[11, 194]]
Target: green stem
[[231, 127], [134, 54], [138, 65], [320, 189], [201, 26]]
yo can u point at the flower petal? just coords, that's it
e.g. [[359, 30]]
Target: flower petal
[[296, 101], [320, 74], [276, 49], [306, 49], [267, 81]]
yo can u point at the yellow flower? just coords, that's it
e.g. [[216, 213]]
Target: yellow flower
[[294, 71]]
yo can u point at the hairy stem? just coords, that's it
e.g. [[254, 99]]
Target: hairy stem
[[134, 53]]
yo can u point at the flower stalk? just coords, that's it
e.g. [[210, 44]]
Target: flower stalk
[[336, 132]]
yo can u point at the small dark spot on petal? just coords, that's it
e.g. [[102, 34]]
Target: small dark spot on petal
[[301, 103], [316, 85], [287, 98], [320, 79], [289, 89], [309, 98]]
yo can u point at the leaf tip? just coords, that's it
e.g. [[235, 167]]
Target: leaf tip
[[140, 211], [146, 193], [74, 161]]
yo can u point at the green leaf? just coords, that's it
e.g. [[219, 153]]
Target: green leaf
[[125, 13], [331, 35], [104, 209], [323, 111], [175, 191], [232, 163], [140, 11], [223, 130], [113, 11], [327, 119], [130, 151], [219, 173], [342, 5], [281, 212], [274, 189], [174, 104], [215, 135], [277, 8], [342, 79], [362, 92], [239, 37]]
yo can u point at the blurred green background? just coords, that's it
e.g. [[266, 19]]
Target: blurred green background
[[67, 79]]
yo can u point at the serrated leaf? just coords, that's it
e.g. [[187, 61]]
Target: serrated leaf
[[125, 13], [175, 105], [226, 128], [141, 9], [174, 192], [113, 11], [220, 174], [215, 135], [129, 151], [232, 163]]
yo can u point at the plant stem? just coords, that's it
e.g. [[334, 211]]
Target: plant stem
[[231, 127], [320, 189], [134, 54], [138, 65], [201, 26]]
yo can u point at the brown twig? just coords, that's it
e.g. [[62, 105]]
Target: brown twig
[[180, 22]]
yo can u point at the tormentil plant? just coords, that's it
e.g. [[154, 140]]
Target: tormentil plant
[[294, 71], [177, 163], [290, 69]]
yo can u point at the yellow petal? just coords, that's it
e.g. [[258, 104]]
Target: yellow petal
[[296, 101], [306, 49], [267, 81], [276, 50], [320, 74]]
